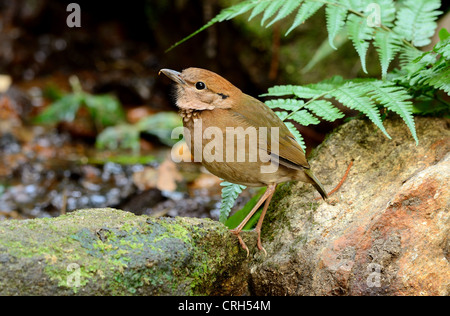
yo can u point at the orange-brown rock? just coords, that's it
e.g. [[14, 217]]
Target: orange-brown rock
[[385, 232]]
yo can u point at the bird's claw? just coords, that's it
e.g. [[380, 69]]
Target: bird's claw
[[241, 241]]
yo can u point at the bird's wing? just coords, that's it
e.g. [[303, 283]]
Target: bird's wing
[[252, 112]]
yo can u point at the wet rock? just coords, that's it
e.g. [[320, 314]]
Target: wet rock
[[385, 232]]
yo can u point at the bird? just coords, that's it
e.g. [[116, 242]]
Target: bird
[[212, 106]]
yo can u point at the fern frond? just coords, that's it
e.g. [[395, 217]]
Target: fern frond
[[299, 91], [297, 135], [440, 80], [282, 114], [386, 44], [443, 48], [325, 109], [225, 14], [416, 21], [286, 9], [271, 10], [305, 12], [304, 118], [352, 96], [285, 104], [360, 34], [394, 98], [335, 21], [260, 7], [230, 192], [387, 11], [308, 91]]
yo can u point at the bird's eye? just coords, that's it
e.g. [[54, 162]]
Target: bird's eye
[[200, 85]]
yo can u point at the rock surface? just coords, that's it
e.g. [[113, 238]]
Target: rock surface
[[111, 252], [386, 231]]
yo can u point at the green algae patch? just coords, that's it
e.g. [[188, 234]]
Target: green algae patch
[[108, 251]]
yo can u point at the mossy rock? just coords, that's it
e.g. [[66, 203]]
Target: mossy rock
[[111, 252]]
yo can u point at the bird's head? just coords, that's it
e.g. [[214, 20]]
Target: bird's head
[[201, 89]]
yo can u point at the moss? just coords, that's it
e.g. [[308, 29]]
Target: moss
[[120, 253]]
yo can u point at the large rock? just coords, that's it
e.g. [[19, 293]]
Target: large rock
[[385, 232], [111, 252]]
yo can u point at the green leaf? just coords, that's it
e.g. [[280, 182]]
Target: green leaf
[[440, 80], [360, 34], [286, 9], [271, 10], [260, 7], [325, 109], [305, 12], [282, 114], [62, 110], [297, 135], [443, 47], [352, 96], [386, 10], [443, 34], [225, 14], [105, 110], [394, 98], [123, 136], [161, 125], [304, 118], [325, 50], [386, 45], [305, 92], [335, 21], [230, 192], [416, 21], [235, 219], [285, 104]]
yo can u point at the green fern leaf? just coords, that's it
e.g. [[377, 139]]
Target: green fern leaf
[[416, 20], [304, 118], [271, 10], [325, 109], [335, 21], [225, 14], [285, 104], [387, 11], [440, 80], [297, 135], [351, 96], [282, 114], [285, 10], [394, 98], [299, 91], [260, 7], [356, 5], [443, 48], [387, 48], [230, 192], [305, 12], [360, 34]]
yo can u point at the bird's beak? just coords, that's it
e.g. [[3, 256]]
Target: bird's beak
[[172, 74]]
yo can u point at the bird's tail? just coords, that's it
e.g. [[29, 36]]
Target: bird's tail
[[316, 183]]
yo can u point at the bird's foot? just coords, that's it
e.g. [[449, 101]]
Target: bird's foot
[[241, 241], [259, 244]]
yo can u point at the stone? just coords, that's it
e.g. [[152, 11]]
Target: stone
[[384, 232]]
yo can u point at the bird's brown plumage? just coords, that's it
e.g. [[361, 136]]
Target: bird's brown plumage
[[206, 97]]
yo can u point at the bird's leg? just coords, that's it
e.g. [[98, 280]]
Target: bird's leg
[[271, 189], [236, 231]]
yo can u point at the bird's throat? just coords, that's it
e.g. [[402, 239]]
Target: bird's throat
[[189, 114]]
